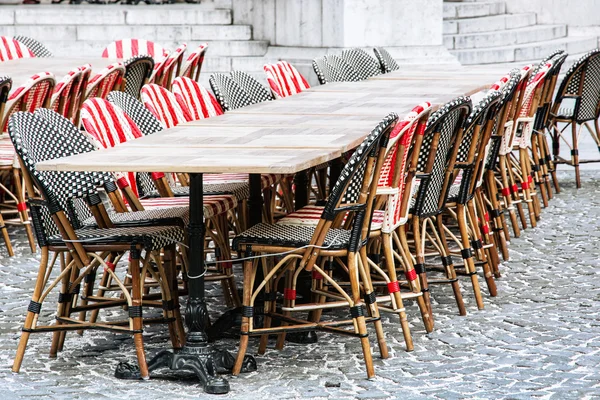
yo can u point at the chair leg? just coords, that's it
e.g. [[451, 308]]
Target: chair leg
[[22, 207], [506, 195], [31, 317], [6, 237], [420, 266], [246, 320], [136, 317], [482, 254], [575, 154]]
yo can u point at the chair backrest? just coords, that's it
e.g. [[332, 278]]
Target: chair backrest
[[199, 101], [35, 93], [228, 93], [164, 105], [509, 85], [138, 70], [127, 48], [365, 65], [386, 61], [193, 64], [396, 179], [36, 47], [543, 118], [284, 79], [104, 82], [65, 97], [171, 67], [347, 71], [5, 86], [436, 156], [325, 72], [582, 81], [12, 49], [257, 92], [135, 109]]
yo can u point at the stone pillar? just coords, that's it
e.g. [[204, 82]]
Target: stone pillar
[[300, 30]]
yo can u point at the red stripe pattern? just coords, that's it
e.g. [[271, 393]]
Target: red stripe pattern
[[11, 49], [194, 61], [213, 205], [284, 79], [30, 96], [199, 101], [105, 81], [165, 106], [170, 66]]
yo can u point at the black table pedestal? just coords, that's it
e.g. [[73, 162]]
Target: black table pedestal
[[198, 355]]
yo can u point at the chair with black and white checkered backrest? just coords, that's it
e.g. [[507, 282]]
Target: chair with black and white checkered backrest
[[36, 92], [467, 176], [577, 102], [352, 196], [347, 71], [386, 61], [135, 109], [37, 48], [36, 140], [365, 65], [326, 73], [138, 70], [193, 64], [258, 93], [228, 92], [434, 169]]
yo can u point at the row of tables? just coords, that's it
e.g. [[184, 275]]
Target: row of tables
[[285, 136]]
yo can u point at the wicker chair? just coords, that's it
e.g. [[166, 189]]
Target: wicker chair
[[127, 48], [325, 72], [577, 102], [37, 48], [284, 79], [104, 82], [35, 93], [347, 71], [353, 193], [58, 230], [193, 64], [229, 93], [66, 96], [199, 101], [171, 67], [257, 92], [11, 49], [386, 61], [138, 71], [365, 65], [164, 105]]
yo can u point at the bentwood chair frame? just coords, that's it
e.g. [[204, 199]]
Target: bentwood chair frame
[[353, 193], [581, 88], [108, 79], [193, 64], [88, 248], [171, 67]]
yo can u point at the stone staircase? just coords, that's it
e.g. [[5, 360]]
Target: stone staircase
[[481, 32], [85, 30]]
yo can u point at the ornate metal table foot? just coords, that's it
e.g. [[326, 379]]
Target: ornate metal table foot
[[204, 360]]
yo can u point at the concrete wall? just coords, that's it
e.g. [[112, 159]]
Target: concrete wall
[[343, 23], [571, 12]]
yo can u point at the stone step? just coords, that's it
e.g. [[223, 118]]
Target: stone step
[[525, 52], [530, 34], [471, 10], [157, 33], [89, 48], [487, 24], [173, 14]]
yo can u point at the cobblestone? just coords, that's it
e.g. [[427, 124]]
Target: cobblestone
[[539, 338]]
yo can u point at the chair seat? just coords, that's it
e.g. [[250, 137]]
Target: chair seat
[[267, 180], [565, 112], [7, 152], [290, 236], [213, 205], [179, 216], [453, 192], [311, 214], [151, 237]]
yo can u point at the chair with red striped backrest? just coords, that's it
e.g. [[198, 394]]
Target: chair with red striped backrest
[[65, 97], [170, 68], [164, 105], [108, 126], [127, 48], [193, 64], [284, 79], [104, 82], [11, 49], [35, 93], [200, 102]]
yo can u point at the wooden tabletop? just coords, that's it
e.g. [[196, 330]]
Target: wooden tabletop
[[281, 136], [22, 69]]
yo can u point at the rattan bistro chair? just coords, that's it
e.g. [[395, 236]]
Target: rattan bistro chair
[[199, 101], [36, 140], [257, 92], [164, 105], [138, 71], [325, 72], [284, 79], [386, 61], [66, 95], [12, 49], [37, 48], [353, 193], [365, 65], [347, 71], [577, 102], [108, 79], [193, 64], [171, 67], [228, 92]]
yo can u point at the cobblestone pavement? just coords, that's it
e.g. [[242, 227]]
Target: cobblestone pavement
[[539, 338]]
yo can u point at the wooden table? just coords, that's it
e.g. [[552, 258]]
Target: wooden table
[[284, 136]]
